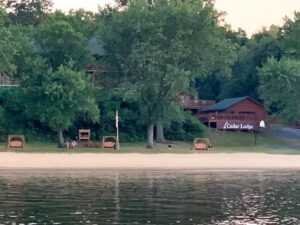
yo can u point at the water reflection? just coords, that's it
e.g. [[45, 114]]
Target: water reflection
[[189, 197]]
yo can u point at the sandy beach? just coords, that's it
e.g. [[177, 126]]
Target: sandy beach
[[148, 161]]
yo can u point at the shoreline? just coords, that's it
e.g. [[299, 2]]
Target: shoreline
[[136, 161]]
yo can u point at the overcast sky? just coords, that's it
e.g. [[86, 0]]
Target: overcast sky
[[250, 15]]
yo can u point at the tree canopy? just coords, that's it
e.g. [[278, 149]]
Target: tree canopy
[[27, 12], [141, 55], [279, 83], [58, 42], [159, 54], [58, 97], [290, 37]]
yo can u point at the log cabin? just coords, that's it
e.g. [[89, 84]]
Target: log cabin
[[242, 113]]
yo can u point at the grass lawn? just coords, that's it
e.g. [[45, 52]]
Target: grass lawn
[[223, 142]]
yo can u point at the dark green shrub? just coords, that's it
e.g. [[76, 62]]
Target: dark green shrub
[[185, 129]]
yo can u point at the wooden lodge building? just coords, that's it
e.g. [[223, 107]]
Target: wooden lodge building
[[243, 113]]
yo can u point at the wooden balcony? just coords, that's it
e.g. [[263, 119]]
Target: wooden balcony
[[99, 68], [9, 82], [189, 104], [227, 116]]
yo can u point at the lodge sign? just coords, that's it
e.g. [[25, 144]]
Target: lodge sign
[[237, 125]]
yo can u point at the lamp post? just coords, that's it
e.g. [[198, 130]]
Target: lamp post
[[262, 124]]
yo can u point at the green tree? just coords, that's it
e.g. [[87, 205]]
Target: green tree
[[252, 54], [290, 37], [57, 42], [12, 118], [8, 49], [4, 21], [58, 97], [14, 48], [27, 12], [83, 22], [279, 83], [185, 128], [159, 48], [130, 126]]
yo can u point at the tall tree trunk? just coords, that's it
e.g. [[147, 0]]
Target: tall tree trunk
[[60, 136], [150, 129], [160, 138]]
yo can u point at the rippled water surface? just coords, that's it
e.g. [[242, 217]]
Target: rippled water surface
[[150, 197]]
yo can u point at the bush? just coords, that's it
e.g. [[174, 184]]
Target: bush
[[185, 129]]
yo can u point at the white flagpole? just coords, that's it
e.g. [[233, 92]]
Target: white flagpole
[[117, 127]]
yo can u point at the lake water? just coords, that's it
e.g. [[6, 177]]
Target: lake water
[[150, 197]]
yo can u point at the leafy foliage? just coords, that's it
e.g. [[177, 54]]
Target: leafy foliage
[[58, 42], [58, 98], [151, 51], [251, 55], [290, 37], [130, 126], [27, 12], [159, 54], [12, 118], [185, 129], [279, 87]]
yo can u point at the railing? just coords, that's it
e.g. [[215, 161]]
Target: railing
[[226, 116], [9, 82], [98, 68], [196, 104]]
